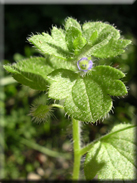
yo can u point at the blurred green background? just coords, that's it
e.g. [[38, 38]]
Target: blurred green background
[[44, 151]]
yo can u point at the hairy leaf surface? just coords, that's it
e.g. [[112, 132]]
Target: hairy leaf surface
[[112, 157], [62, 82], [107, 43], [31, 72], [87, 98], [51, 45], [72, 22]]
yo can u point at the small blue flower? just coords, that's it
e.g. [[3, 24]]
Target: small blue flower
[[84, 64]]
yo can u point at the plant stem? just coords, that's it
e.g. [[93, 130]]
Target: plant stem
[[44, 150], [76, 142], [57, 105]]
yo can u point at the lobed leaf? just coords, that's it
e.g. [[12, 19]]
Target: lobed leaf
[[31, 72], [112, 48], [106, 44], [106, 77], [51, 46], [89, 99], [112, 157], [86, 98]]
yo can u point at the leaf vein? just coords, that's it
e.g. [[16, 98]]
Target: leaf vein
[[87, 99], [112, 161]]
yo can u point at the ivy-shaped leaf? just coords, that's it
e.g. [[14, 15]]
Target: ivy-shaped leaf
[[112, 157]]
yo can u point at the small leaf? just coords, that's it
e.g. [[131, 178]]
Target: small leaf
[[31, 72], [70, 22], [71, 34], [93, 37], [78, 43], [63, 80], [112, 157]]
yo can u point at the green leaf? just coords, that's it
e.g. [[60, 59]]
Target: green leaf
[[71, 34], [89, 99], [31, 72], [112, 157], [93, 37], [103, 30], [34, 81], [62, 82], [93, 46], [59, 36], [70, 22], [111, 49], [106, 43], [58, 63], [96, 39], [48, 45], [78, 43], [107, 77]]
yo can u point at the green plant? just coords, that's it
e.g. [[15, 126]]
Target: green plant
[[68, 73]]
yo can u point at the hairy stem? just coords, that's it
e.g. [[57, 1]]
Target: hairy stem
[[76, 142]]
